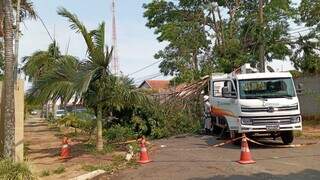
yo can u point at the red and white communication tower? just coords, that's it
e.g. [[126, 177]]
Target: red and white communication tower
[[115, 57]]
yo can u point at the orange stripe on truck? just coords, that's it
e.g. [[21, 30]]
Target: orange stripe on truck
[[216, 111]]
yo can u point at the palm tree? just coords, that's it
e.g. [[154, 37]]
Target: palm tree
[[58, 83], [67, 78], [89, 80], [96, 70], [26, 11], [8, 107], [40, 62]]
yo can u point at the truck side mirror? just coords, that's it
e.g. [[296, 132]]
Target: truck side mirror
[[300, 89]]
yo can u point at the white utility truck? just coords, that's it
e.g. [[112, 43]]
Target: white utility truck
[[246, 101]]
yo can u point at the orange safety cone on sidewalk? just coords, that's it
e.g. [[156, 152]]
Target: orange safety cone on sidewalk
[[65, 150], [245, 157], [144, 158]]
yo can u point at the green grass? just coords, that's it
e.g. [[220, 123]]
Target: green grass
[[311, 122], [106, 167], [91, 148], [45, 173], [10, 170], [117, 163], [59, 170]]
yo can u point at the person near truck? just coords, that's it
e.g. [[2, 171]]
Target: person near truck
[[207, 115]]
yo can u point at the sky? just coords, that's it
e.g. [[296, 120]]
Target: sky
[[137, 44]]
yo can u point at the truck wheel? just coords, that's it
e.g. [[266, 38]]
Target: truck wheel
[[287, 137], [215, 130]]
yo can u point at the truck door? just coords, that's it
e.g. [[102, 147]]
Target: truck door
[[225, 104]]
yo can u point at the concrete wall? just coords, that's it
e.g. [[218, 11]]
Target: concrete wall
[[310, 98], [19, 113]]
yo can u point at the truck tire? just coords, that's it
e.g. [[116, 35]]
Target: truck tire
[[215, 130], [287, 137]]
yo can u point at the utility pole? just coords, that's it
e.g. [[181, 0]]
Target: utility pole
[[115, 58], [261, 39], [16, 40]]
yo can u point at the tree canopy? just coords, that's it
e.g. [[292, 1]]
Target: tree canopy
[[221, 35]]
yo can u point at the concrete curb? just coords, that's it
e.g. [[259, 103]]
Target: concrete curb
[[89, 175]]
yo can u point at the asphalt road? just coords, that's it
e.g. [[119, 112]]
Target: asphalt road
[[190, 157]]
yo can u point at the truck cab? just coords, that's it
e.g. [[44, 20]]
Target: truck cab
[[255, 103]]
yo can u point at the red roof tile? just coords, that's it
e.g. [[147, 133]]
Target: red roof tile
[[157, 84]]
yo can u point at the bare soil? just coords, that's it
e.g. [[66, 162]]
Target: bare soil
[[43, 145]]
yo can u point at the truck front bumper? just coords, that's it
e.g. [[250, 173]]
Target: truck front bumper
[[266, 128]]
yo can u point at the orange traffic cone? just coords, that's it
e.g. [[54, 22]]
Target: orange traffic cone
[[65, 150], [144, 158], [245, 157]]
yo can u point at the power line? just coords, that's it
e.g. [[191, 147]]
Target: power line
[[137, 82], [147, 76], [143, 68], [45, 27]]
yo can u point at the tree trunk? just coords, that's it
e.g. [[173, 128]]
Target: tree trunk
[[54, 102], [17, 36], [261, 39], [47, 110], [221, 29], [42, 111], [99, 129], [8, 88], [232, 11]]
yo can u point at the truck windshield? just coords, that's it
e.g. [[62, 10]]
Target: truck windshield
[[266, 88]]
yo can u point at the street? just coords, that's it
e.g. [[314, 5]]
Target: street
[[190, 157]]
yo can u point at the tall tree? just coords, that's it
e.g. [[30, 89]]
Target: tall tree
[[8, 105], [40, 63], [26, 11], [96, 69], [223, 40], [306, 56], [56, 83], [182, 25], [261, 39]]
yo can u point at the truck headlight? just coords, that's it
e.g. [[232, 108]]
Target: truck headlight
[[295, 119], [246, 121]]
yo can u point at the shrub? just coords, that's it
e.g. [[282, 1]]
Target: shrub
[[85, 122], [10, 170], [87, 126], [163, 120], [118, 133]]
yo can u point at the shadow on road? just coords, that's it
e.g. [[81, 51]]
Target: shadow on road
[[212, 140], [308, 174]]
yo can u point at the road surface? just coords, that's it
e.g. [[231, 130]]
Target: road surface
[[190, 157]]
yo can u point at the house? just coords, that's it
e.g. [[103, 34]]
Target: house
[[155, 85]]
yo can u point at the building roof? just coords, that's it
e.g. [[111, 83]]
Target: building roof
[[156, 84]]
